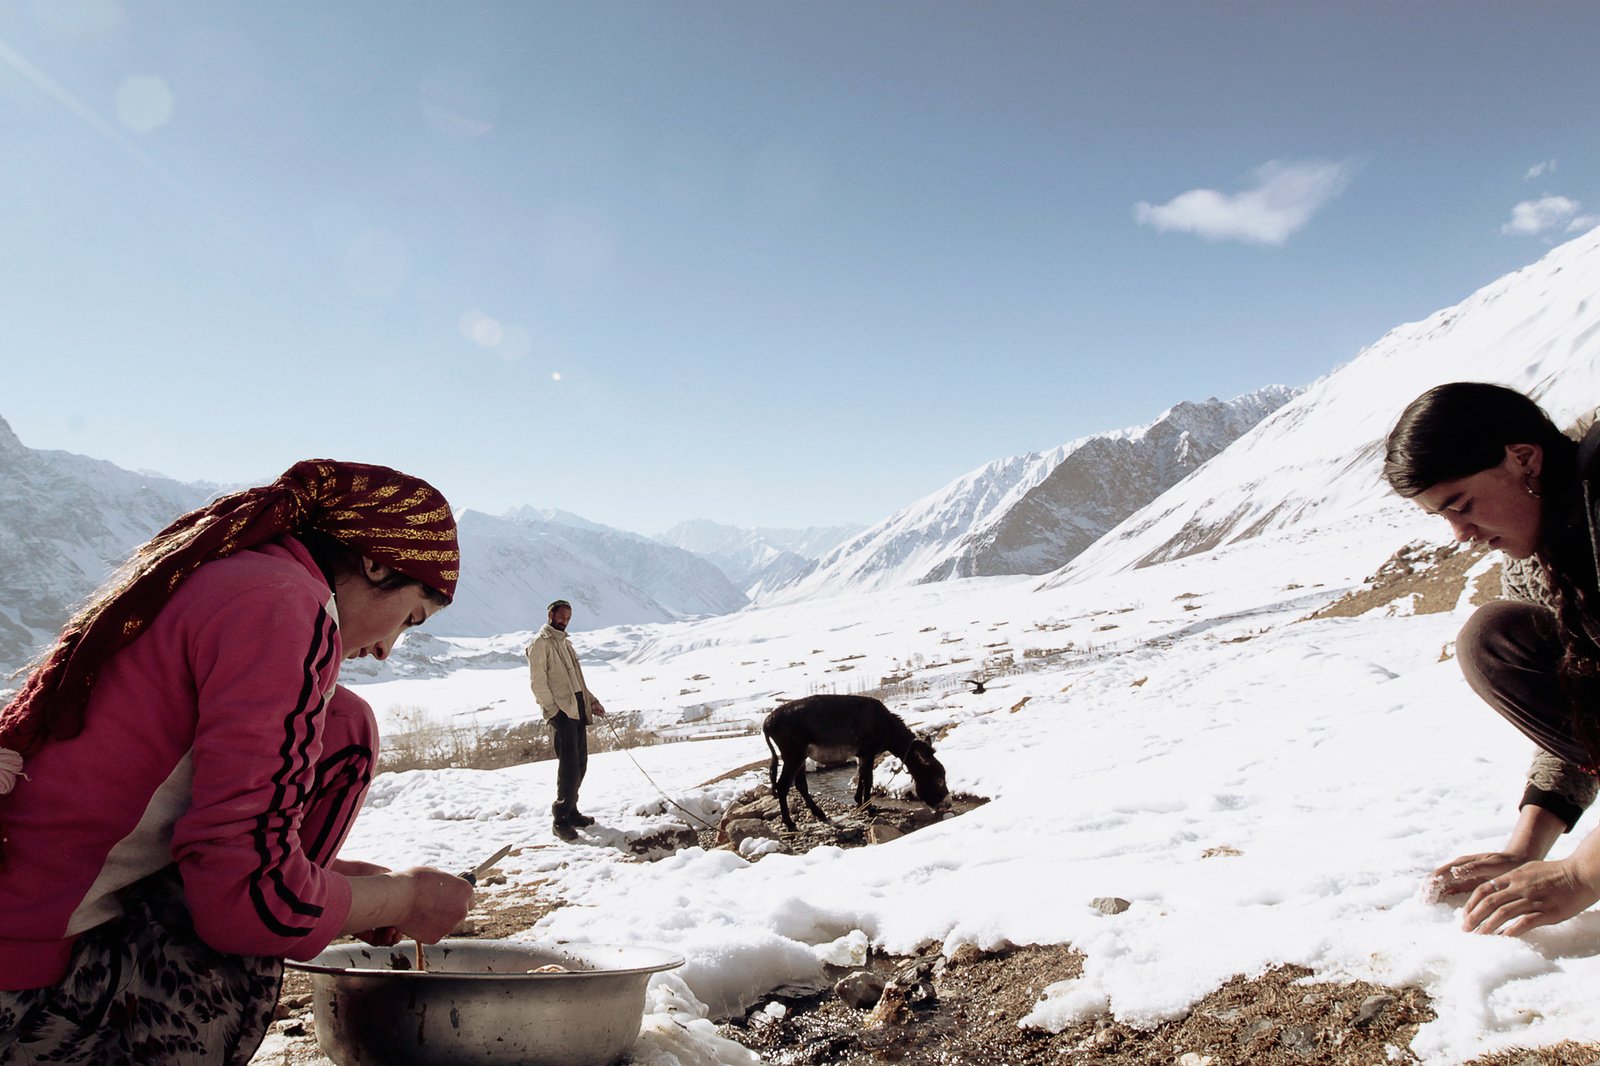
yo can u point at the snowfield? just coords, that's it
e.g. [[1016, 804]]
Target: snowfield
[[1331, 764]]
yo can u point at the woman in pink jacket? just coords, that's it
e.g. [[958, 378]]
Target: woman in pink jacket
[[180, 768]]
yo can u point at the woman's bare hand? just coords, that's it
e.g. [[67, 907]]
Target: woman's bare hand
[[421, 903], [437, 902], [1467, 872], [1528, 896]]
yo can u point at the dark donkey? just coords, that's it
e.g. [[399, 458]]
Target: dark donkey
[[833, 728]]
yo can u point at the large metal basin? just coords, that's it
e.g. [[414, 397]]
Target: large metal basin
[[477, 1003]]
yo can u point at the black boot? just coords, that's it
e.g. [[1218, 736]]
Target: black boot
[[580, 819]]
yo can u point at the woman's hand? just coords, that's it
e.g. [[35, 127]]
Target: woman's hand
[[421, 903], [437, 903], [1467, 872], [1530, 895], [1532, 837]]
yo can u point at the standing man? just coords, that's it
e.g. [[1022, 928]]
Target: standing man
[[567, 704]]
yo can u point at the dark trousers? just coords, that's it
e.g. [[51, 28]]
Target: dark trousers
[[1509, 651], [571, 740]]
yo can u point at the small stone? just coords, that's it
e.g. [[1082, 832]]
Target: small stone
[[1372, 1008], [966, 954], [669, 838], [1255, 1029], [1194, 1058], [765, 808], [740, 829], [915, 978], [1109, 904], [891, 1008], [1300, 1039], [861, 990], [880, 832]]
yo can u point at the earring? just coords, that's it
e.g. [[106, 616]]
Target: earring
[[1527, 483]]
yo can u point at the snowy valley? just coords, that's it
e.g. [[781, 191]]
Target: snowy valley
[[1163, 719]]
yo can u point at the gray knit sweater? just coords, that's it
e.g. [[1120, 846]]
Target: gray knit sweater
[[1550, 777]]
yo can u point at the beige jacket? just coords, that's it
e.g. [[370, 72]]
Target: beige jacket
[[555, 675]]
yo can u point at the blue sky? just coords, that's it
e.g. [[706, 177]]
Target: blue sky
[[764, 263]]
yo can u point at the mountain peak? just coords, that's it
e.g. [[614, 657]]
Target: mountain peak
[[1030, 514], [11, 446]]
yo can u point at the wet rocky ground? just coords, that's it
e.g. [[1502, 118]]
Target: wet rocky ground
[[754, 816], [965, 1009]]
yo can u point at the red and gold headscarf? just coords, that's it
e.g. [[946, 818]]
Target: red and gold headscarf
[[398, 520]]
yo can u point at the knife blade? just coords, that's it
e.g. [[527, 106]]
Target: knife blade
[[471, 877]]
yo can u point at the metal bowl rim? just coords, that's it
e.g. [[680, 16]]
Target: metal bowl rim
[[671, 960]]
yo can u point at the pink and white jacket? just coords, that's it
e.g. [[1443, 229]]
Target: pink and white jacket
[[217, 740]]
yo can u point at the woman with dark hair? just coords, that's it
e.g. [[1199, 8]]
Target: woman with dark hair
[[1492, 463], [180, 768]]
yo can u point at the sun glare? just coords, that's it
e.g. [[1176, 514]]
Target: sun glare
[[144, 103]]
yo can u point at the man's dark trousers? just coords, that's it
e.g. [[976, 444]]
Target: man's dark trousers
[[571, 739]]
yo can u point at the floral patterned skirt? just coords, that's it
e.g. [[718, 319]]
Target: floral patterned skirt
[[144, 988]]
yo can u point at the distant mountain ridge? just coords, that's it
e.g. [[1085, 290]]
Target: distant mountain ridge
[[513, 566], [759, 559], [66, 521], [1031, 514]]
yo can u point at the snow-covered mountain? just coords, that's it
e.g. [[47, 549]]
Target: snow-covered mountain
[[757, 560], [1030, 514], [1317, 460], [66, 521], [512, 567]]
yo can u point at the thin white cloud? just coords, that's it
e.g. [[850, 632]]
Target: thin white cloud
[[1539, 169], [1279, 199], [1582, 223], [1533, 217]]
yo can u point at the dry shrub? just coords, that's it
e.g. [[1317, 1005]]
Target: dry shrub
[[422, 743]]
